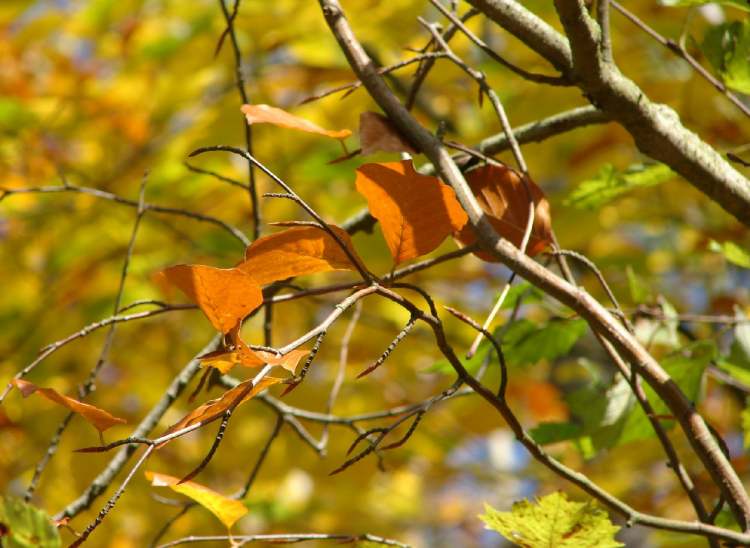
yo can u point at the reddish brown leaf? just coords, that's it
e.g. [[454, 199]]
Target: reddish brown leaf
[[378, 134], [296, 251], [100, 419], [503, 196], [225, 296], [416, 212], [213, 409], [265, 114]]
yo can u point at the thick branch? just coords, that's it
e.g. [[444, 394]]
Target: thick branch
[[656, 128]]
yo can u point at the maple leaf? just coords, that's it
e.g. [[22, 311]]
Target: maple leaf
[[227, 510], [378, 134], [504, 197], [225, 295], [265, 114], [554, 521], [99, 418], [416, 212], [296, 251]]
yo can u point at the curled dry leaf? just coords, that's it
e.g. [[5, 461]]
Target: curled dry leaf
[[238, 353], [265, 114], [416, 212], [99, 418], [296, 251], [378, 134], [502, 195], [213, 409], [227, 510], [225, 295]]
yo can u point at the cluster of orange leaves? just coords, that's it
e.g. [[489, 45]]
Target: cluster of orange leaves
[[416, 213]]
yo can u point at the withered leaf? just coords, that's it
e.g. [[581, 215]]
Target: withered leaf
[[227, 510], [502, 195], [265, 114], [99, 418], [378, 134], [213, 409], [416, 212], [225, 295], [296, 251]]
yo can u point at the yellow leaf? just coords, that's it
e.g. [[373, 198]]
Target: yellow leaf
[[416, 212], [227, 510]]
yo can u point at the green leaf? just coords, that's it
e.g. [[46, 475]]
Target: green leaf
[[554, 521], [742, 4], [731, 251], [27, 526], [471, 365], [639, 290], [525, 342], [610, 183], [737, 363], [611, 416], [727, 48], [525, 290]]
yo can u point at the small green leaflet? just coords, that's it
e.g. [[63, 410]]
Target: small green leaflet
[[27, 526], [610, 183], [731, 251], [742, 4], [727, 48], [737, 363], [554, 521]]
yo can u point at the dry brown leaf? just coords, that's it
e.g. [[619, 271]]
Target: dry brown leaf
[[227, 510], [225, 295], [416, 212], [296, 251], [378, 134], [288, 361], [502, 195], [213, 409], [265, 114], [99, 418]]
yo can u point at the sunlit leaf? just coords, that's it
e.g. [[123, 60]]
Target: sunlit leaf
[[25, 526], [227, 510], [732, 252], [727, 47], [213, 409], [100, 419], [297, 251], [610, 183], [526, 343], [225, 295], [553, 520], [265, 114], [504, 197], [378, 134], [416, 212]]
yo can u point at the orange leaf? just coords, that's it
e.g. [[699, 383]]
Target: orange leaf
[[503, 197], [288, 361], [213, 409], [225, 296], [227, 510], [416, 212], [378, 134], [265, 114], [295, 251], [100, 419]]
